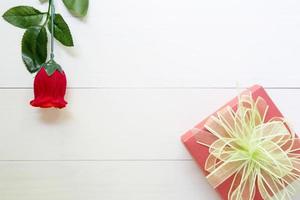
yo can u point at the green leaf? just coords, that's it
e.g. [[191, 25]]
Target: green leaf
[[34, 48], [78, 8], [61, 30], [23, 16]]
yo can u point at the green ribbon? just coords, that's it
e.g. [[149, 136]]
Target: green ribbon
[[259, 155]]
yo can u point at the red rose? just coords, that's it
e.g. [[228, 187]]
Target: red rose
[[49, 90]]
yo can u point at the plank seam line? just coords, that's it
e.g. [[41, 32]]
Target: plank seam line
[[155, 88], [102, 160]]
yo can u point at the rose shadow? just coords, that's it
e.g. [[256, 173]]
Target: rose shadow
[[54, 115]]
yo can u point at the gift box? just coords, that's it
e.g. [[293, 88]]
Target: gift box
[[246, 149]]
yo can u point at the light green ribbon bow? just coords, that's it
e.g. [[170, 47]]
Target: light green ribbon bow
[[258, 154]]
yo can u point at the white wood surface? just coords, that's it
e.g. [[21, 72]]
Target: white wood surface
[[103, 180], [140, 75], [139, 43]]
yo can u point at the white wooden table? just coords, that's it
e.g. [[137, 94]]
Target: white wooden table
[[140, 75]]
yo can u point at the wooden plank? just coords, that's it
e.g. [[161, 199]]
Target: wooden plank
[[118, 124], [103, 180], [144, 180], [171, 43]]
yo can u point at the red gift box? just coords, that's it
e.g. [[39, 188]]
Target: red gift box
[[200, 152]]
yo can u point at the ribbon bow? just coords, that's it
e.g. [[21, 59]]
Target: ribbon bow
[[258, 154]]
